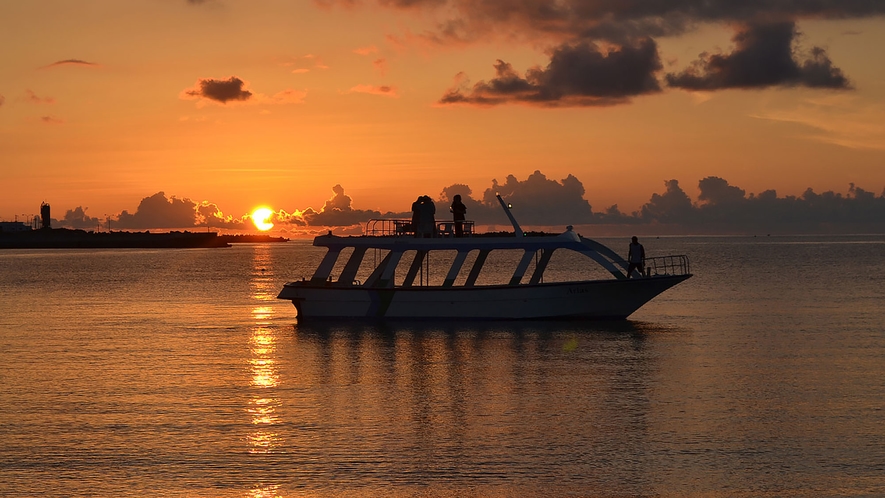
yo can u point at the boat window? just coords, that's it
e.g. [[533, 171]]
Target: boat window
[[343, 257], [439, 264], [371, 259], [567, 265], [302, 256], [500, 265]]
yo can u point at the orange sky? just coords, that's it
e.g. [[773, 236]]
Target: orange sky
[[96, 112]]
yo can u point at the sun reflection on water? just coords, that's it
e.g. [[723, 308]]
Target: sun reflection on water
[[263, 406], [264, 402], [262, 282], [265, 492]]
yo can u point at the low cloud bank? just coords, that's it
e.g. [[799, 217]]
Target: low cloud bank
[[539, 201]]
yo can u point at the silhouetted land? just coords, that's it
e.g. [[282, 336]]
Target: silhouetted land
[[62, 238], [236, 239]]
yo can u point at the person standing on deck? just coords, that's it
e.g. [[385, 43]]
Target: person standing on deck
[[416, 216], [636, 258], [459, 212], [426, 219]]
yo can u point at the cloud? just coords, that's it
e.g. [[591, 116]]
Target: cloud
[[727, 209], [840, 119], [380, 65], [673, 206], [34, 99], [721, 208], [384, 90], [763, 57], [157, 211], [716, 191], [371, 49], [77, 218], [210, 216], [539, 200], [282, 217], [579, 75], [301, 62], [542, 203], [72, 62], [222, 91], [51, 120], [317, 62], [337, 211], [287, 96], [571, 29], [612, 20], [536, 200], [2, 100]]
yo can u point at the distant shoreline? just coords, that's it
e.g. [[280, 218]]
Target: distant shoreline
[[62, 238], [251, 239]]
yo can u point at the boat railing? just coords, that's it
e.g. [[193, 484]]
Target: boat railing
[[389, 226], [667, 265], [398, 227], [447, 228]]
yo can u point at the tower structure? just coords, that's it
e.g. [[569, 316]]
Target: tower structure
[[45, 219]]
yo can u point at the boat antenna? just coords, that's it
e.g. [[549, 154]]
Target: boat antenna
[[518, 231]]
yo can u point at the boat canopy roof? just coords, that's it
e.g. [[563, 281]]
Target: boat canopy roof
[[565, 240]]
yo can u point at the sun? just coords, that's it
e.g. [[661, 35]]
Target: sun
[[260, 216]]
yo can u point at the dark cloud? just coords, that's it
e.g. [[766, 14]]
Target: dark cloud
[[716, 191], [77, 218], [763, 56], [31, 97], [157, 211], [73, 62], [475, 209], [380, 65], [612, 20], [383, 90], [536, 200], [2, 100], [584, 75], [673, 206], [542, 203], [51, 120], [577, 75], [338, 212], [726, 208], [223, 91], [539, 200]]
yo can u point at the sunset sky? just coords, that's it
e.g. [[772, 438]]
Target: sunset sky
[[274, 102]]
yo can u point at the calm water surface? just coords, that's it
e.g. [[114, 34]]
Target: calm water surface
[[178, 373]]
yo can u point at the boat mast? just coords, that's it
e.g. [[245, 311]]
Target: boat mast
[[518, 231]]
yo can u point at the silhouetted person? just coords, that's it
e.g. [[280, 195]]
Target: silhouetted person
[[416, 215], [459, 214], [426, 219], [636, 258]]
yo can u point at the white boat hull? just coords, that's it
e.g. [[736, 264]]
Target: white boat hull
[[588, 299]]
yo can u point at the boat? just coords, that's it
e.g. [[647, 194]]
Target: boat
[[410, 293]]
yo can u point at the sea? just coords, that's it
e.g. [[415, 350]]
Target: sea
[[177, 372]]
